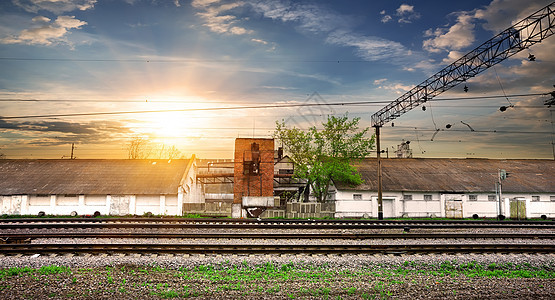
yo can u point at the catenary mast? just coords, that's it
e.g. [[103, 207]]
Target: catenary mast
[[529, 31]]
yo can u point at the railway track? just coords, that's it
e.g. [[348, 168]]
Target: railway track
[[238, 249], [7, 237], [262, 224], [233, 236]]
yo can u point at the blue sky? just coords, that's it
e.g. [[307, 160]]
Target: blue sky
[[95, 56]]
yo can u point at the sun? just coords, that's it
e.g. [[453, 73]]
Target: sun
[[175, 121], [169, 125]]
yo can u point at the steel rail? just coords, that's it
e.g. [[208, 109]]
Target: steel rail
[[268, 221], [277, 225], [12, 249], [6, 237]]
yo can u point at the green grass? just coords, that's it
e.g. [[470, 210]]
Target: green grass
[[376, 281]]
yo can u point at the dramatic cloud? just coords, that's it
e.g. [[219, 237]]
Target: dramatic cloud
[[61, 132], [55, 6], [45, 32], [498, 16], [456, 37]]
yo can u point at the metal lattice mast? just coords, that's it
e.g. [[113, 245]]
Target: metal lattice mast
[[516, 38]]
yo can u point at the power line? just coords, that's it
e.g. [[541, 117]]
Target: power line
[[219, 108], [182, 60], [200, 102]]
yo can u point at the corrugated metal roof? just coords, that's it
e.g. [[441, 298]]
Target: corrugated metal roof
[[456, 175], [91, 176]]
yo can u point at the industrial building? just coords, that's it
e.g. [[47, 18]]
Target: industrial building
[[106, 186], [453, 188], [259, 182]]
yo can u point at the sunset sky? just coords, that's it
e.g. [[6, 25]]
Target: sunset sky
[[211, 66]]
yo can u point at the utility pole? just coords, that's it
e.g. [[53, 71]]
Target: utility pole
[[501, 175], [380, 199], [527, 32], [72, 148], [500, 197]]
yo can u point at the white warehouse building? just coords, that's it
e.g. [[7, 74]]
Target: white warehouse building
[[453, 188], [108, 186]]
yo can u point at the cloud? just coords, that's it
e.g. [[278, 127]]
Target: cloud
[[500, 14], [386, 19], [52, 133], [404, 14], [309, 18], [46, 32], [379, 81], [368, 48], [336, 28], [457, 37], [398, 88], [218, 17], [405, 9], [55, 6], [176, 2], [497, 16]]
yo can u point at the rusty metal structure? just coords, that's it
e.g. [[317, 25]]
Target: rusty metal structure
[[529, 31]]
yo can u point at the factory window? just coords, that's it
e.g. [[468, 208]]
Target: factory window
[[492, 198], [357, 196], [472, 197], [407, 197], [427, 197], [535, 198]]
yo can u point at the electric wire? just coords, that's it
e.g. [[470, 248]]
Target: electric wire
[[291, 105], [199, 102]]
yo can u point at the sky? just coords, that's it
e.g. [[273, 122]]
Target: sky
[[198, 74]]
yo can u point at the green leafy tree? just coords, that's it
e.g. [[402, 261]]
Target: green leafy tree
[[324, 155]]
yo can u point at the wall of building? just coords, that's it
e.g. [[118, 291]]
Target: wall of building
[[89, 204], [351, 203]]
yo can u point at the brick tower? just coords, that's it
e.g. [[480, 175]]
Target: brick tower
[[253, 174]]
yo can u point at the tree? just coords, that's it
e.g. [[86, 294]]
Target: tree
[[138, 148], [142, 148], [321, 156], [170, 152]]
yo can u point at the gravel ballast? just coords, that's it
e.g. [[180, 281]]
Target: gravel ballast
[[441, 276]]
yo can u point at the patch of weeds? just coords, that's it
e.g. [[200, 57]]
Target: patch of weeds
[[351, 290], [273, 290]]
